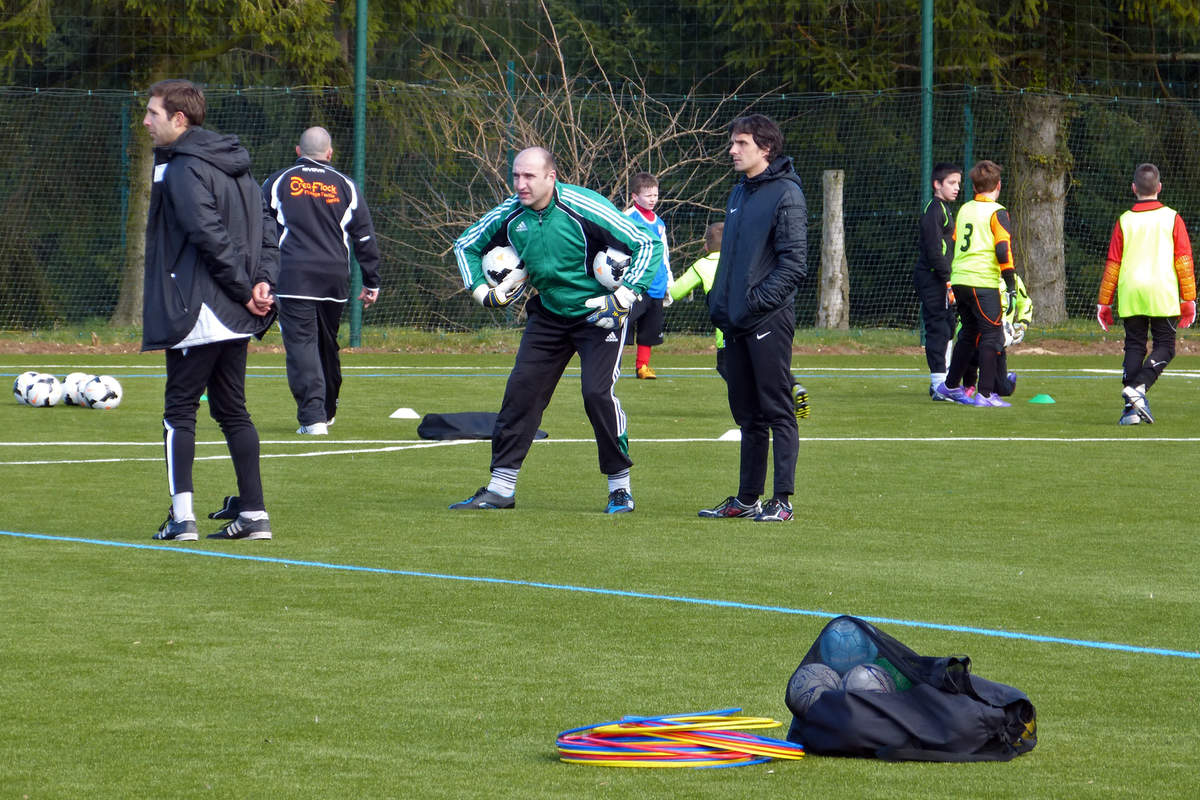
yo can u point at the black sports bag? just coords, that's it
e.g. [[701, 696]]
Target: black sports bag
[[938, 711]]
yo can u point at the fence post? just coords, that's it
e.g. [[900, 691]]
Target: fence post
[[360, 157], [833, 301]]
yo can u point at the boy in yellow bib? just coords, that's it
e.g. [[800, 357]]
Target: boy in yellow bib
[[983, 261], [1149, 269]]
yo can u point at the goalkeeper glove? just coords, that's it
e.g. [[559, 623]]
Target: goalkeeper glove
[[1187, 313], [497, 296], [1009, 334], [1019, 329], [949, 295], [1104, 316], [611, 309]]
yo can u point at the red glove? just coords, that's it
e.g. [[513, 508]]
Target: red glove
[[1104, 316], [1187, 313]]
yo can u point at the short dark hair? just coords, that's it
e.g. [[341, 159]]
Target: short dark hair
[[985, 175], [640, 181], [712, 236], [181, 95], [764, 130], [944, 170], [1146, 179]]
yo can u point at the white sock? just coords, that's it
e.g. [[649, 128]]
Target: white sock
[[936, 377], [503, 482], [618, 480], [181, 506], [253, 515]]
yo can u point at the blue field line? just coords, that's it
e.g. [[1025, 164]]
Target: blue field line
[[566, 587]]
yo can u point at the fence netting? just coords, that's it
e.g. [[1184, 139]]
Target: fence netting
[[73, 159]]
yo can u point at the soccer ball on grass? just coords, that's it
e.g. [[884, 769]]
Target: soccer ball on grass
[[71, 386], [101, 391], [43, 391], [21, 383]]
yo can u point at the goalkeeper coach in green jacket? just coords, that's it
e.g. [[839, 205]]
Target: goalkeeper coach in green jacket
[[558, 230]]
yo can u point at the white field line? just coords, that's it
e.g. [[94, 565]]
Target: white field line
[[225, 456], [393, 445], [797, 366]]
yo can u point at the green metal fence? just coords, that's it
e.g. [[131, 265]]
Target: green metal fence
[[69, 159]]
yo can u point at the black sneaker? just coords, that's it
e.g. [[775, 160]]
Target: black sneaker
[[230, 508], [620, 501], [173, 530], [484, 499], [800, 398], [242, 528], [775, 511], [731, 508]]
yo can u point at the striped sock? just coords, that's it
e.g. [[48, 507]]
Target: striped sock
[[503, 482], [618, 480]]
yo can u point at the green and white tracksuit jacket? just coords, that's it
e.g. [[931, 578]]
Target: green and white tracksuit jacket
[[557, 246]]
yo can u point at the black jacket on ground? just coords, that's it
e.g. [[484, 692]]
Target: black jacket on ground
[[764, 250], [209, 239], [321, 215]]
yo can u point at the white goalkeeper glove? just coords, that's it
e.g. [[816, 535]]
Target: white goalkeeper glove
[[1019, 329], [611, 309], [498, 296]]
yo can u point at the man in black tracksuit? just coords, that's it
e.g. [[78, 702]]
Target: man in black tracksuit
[[763, 258], [931, 275], [321, 215], [211, 262]]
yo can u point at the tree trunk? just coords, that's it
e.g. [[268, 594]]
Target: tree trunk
[[141, 169], [833, 301], [1035, 188]]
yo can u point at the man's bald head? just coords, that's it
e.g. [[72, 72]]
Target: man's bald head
[[315, 143], [534, 174], [539, 155]]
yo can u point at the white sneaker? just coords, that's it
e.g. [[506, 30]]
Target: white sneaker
[[316, 429]]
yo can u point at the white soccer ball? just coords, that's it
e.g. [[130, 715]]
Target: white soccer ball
[[21, 383], [608, 267], [71, 386], [44, 391], [102, 391], [502, 265]]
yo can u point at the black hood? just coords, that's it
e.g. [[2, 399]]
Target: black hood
[[780, 167], [223, 151]]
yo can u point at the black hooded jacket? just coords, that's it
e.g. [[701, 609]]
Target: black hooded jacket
[[764, 250], [209, 239]]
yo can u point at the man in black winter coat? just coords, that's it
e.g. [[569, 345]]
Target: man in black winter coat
[[211, 262], [764, 254], [322, 215]]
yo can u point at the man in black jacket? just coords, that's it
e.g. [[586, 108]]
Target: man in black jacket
[[321, 215], [211, 261], [764, 254]]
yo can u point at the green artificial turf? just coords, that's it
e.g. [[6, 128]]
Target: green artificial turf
[[383, 646]]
